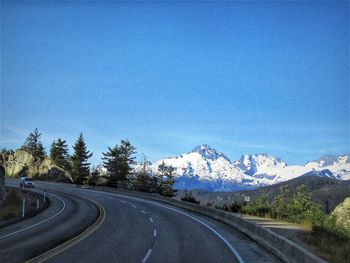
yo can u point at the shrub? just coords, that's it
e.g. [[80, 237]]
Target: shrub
[[12, 198], [235, 207], [188, 197]]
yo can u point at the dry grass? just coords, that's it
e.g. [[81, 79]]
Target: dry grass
[[306, 225], [330, 246], [11, 207]]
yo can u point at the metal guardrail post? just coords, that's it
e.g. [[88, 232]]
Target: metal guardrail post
[[23, 206]]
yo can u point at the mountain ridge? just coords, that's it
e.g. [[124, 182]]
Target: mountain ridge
[[208, 169]]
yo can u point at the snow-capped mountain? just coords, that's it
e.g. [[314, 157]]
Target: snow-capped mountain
[[338, 166], [206, 168], [273, 170]]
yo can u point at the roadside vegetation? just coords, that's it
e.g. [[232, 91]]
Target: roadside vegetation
[[331, 240], [188, 197], [11, 207]]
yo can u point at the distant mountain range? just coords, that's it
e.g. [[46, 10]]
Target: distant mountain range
[[207, 169]]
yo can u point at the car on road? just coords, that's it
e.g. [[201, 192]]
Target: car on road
[[26, 182]]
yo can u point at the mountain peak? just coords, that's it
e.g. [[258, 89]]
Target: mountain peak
[[209, 153], [330, 159]]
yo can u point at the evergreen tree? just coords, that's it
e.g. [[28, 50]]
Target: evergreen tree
[[34, 146], [92, 179], [302, 207], [143, 177], [280, 206], [166, 179], [59, 154], [118, 161], [80, 167]]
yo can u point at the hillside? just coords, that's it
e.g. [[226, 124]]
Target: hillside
[[20, 162], [326, 191]]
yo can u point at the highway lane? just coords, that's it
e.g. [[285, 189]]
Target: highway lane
[[66, 217], [139, 230]]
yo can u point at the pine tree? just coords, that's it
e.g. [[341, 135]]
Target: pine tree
[[118, 161], [80, 167], [34, 146], [94, 174], [166, 179], [143, 177], [59, 154]]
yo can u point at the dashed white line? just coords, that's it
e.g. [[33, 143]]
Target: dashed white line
[[110, 197], [233, 250], [134, 206], [150, 219], [143, 212], [154, 232], [123, 202], [147, 255]]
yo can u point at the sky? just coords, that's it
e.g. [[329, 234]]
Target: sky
[[243, 77]]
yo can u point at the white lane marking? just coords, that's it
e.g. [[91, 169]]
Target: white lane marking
[[109, 197], [39, 223], [150, 219], [147, 255], [143, 212], [233, 250], [154, 232], [240, 260], [134, 206], [97, 195]]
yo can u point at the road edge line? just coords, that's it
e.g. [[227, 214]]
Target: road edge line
[[73, 241]]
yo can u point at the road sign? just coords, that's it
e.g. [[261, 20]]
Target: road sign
[[247, 198]]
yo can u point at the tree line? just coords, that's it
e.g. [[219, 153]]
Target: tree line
[[119, 161]]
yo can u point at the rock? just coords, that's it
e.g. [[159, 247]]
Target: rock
[[2, 184], [21, 162], [54, 174], [342, 213]]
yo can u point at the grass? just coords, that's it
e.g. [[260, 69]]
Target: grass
[[331, 241], [11, 206]]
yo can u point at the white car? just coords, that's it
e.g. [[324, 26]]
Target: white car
[[26, 182]]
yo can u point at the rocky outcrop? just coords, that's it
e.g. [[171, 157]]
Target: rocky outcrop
[[342, 213], [2, 184], [20, 163]]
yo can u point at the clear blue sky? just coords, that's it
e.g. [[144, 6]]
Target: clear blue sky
[[256, 77]]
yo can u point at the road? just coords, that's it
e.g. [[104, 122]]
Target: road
[[134, 230]]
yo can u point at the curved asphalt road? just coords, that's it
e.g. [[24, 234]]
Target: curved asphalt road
[[134, 230]]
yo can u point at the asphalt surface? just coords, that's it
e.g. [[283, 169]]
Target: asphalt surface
[[134, 230]]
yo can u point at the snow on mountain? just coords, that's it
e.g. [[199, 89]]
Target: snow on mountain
[[274, 170], [339, 166], [205, 168]]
